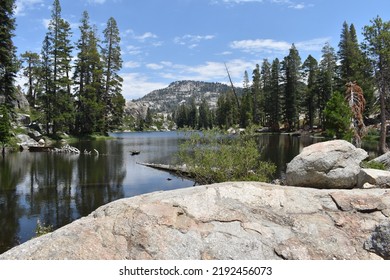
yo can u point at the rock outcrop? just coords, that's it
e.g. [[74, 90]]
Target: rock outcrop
[[332, 164], [226, 221], [373, 178]]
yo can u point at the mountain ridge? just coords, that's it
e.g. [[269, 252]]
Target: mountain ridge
[[167, 99]]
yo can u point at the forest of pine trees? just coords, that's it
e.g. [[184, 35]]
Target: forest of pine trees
[[82, 94], [293, 93], [80, 98]]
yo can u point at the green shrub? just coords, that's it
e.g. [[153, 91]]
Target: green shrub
[[212, 157], [373, 165]]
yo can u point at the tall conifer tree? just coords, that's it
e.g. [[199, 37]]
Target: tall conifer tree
[[354, 64], [246, 109], [8, 62], [32, 71], [60, 55], [88, 78], [266, 92], [292, 76], [275, 98], [377, 46], [256, 94], [310, 68], [112, 94], [327, 77]]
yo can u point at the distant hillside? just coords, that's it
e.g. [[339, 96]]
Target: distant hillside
[[167, 99]]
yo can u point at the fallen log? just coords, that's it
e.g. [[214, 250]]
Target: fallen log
[[179, 170]]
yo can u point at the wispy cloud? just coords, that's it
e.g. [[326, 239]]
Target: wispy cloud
[[238, 1], [207, 71], [270, 46], [192, 41], [22, 6], [289, 3], [130, 33], [154, 66], [96, 1], [131, 64], [132, 50], [136, 85]]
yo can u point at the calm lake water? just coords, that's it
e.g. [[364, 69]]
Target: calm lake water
[[59, 188]]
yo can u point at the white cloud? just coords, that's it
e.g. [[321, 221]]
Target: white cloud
[[208, 71], [299, 6], [192, 41], [133, 50], [131, 64], [96, 1], [272, 46], [145, 36], [21, 6], [238, 1], [289, 3], [136, 85], [142, 38], [154, 66]]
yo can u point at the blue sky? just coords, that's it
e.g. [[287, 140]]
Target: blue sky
[[169, 40]]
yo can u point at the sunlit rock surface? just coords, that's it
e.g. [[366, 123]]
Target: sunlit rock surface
[[332, 164], [225, 221]]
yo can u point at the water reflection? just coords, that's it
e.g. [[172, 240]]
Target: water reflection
[[282, 148], [59, 188]]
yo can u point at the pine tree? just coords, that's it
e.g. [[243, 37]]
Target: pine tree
[[327, 77], [311, 71], [60, 55], [181, 116], [8, 61], [192, 114], [112, 96], [204, 115], [149, 118], [275, 91], [346, 55], [354, 64], [32, 71], [256, 94], [292, 76], [246, 108], [88, 78], [377, 46], [266, 92], [337, 115], [46, 98]]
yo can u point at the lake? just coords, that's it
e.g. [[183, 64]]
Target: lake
[[59, 188]]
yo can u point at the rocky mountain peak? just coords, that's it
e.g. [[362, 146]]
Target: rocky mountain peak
[[167, 99]]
